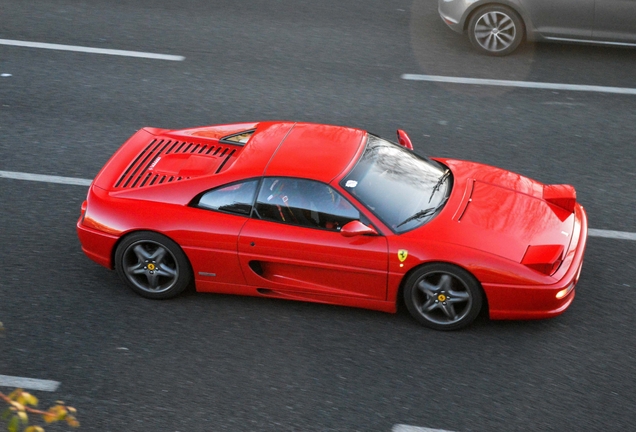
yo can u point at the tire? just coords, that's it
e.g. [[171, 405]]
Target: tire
[[152, 265], [495, 30], [443, 296]]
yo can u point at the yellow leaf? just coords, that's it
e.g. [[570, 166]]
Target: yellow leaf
[[23, 416], [49, 417], [29, 399], [24, 398], [34, 429], [58, 410], [18, 406]]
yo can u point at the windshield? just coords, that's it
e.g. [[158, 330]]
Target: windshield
[[398, 186]]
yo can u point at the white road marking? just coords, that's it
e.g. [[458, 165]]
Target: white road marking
[[407, 428], [45, 178], [618, 235], [521, 84], [28, 383], [91, 50]]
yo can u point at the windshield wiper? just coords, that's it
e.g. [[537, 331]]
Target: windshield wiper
[[422, 213], [419, 215], [439, 183]]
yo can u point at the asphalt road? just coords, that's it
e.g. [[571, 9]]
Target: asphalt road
[[210, 362]]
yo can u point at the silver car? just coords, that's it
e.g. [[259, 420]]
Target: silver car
[[498, 27]]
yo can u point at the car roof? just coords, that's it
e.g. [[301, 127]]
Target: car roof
[[315, 151], [292, 149]]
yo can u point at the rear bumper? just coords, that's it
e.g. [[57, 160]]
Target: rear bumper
[[451, 13], [542, 301], [97, 245]]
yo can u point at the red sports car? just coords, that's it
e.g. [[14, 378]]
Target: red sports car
[[333, 215]]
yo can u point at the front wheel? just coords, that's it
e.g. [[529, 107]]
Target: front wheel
[[152, 265], [443, 296], [495, 30]]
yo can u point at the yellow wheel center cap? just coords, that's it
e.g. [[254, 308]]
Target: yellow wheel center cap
[[151, 266], [441, 297]]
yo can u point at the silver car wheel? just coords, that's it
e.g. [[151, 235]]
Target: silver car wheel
[[495, 30]]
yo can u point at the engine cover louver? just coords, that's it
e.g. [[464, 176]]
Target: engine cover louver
[[165, 161]]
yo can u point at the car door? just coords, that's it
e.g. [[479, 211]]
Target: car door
[[293, 244], [615, 21], [561, 18], [208, 232]]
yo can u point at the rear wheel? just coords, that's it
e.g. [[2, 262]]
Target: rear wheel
[[152, 265], [495, 30], [443, 296]]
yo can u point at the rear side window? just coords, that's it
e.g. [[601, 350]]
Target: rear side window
[[236, 198], [239, 138]]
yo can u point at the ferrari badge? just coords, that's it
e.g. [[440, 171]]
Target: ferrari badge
[[402, 254]]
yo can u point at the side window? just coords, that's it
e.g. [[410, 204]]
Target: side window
[[304, 203], [239, 138], [236, 198]]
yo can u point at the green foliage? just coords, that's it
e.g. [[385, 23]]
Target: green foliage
[[20, 404]]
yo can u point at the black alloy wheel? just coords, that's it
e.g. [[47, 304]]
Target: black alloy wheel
[[152, 265], [442, 296]]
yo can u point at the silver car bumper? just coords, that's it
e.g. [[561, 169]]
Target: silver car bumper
[[453, 13]]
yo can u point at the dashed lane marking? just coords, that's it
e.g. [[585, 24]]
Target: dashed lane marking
[[618, 235], [28, 383], [45, 178], [520, 84], [91, 50], [407, 428]]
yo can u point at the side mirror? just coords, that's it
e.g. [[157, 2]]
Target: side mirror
[[404, 139], [356, 228]]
